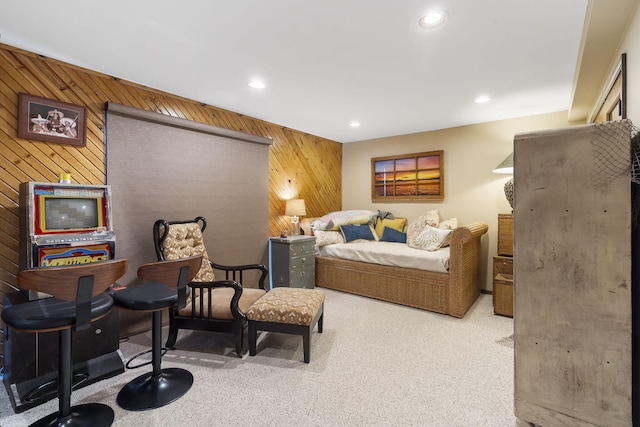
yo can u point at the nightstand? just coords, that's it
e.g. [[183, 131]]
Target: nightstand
[[292, 261], [503, 285], [503, 268]]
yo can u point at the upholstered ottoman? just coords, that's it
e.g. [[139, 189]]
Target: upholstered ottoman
[[287, 311]]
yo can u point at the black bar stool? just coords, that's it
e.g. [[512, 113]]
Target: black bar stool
[[78, 299], [158, 292]]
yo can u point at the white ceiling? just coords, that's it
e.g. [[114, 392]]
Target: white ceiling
[[326, 63]]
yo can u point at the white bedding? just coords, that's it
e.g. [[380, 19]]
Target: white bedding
[[390, 253]]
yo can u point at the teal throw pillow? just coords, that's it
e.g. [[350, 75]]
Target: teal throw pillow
[[391, 235], [355, 232]]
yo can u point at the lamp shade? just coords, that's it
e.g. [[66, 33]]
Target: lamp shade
[[506, 166], [295, 207]]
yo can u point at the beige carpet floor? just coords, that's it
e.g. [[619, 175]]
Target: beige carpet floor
[[376, 364]]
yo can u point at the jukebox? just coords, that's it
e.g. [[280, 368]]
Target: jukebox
[[64, 224], [60, 225]]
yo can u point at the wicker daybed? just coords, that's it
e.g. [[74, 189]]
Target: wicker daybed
[[449, 293]]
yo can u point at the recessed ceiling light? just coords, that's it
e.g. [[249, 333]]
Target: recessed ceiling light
[[433, 20], [482, 99], [257, 84], [354, 124]]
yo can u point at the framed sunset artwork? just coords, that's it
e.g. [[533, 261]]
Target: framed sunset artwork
[[418, 176]]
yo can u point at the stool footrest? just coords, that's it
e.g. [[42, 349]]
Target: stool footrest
[[163, 351]]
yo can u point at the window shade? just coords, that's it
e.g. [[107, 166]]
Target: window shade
[[162, 167]]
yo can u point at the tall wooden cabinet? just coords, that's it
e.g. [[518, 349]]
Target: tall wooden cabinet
[[573, 264]]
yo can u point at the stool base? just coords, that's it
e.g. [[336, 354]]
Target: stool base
[[87, 415], [148, 391]]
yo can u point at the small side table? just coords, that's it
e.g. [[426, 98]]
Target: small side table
[[292, 261], [503, 268]]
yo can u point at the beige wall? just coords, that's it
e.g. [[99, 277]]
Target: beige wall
[[472, 191]]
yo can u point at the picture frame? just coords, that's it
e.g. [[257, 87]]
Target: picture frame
[[48, 120], [417, 176]]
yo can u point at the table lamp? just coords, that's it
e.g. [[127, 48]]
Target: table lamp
[[506, 167], [295, 208]]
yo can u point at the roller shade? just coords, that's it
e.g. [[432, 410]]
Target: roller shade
[[162, 167]]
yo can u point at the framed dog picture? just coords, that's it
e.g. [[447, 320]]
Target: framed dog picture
[[51, 121]]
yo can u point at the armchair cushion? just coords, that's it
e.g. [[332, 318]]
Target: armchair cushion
[[184, 241], [220, 308]]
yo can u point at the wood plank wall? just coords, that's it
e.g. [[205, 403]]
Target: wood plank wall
[[300, 165]]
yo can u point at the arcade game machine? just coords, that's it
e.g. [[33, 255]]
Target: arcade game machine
[[60, 225]]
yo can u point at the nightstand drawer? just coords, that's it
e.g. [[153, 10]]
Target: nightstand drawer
[[503, 268], [302, 261], [302, 249], [303, 277], [503, 297]]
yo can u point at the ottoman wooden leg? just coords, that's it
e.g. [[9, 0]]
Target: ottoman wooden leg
[[306, 343], [306, 334], [252, 338], [320, 319]]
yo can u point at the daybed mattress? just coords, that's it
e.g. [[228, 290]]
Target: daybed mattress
[[389, 253]]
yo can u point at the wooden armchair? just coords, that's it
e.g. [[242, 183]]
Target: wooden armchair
[[214, 305]]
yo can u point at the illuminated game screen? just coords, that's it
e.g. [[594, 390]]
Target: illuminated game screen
[[67, 213]]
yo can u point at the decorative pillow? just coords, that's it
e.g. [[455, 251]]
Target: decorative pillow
[[393, 235], [396, 224], [333, 220], [352, 233], [184, 241], [305, 226], [432, 217], [449, 224], [428, 239], [327, 237], [385, 214]]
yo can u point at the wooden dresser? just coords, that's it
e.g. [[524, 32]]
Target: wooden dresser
[[503, 268]]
